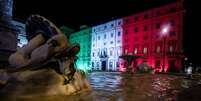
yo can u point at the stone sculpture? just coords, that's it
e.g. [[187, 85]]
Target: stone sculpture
[[46, 65]]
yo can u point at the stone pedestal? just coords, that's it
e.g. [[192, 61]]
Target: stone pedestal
[[8, 37], [44, 82], [8, 43]]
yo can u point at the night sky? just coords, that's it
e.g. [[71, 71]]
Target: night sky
[[76, 13], [94, 12]]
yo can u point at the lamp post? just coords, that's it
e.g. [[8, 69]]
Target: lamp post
[[164, 34], [163, 67]]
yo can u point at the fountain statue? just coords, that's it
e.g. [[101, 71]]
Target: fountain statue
[[8, 32], [46, 65]]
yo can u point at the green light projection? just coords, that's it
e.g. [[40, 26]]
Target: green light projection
[[83, 37]]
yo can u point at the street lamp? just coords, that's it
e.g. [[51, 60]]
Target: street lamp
[[164, 35]]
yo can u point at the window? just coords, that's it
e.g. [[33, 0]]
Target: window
[[111, 42], [157, 63], [97, 64], [172, 45], [172, 33], [157, 25], [156, 36], [158, 13], [119, 51], [145, 28], [112, 34], [119, 33], [145, 16], [98, 37], [105, 52], [104, 36], [145, 37], [110, 64], [117, 63], [171, 48], [118, 41], [112, 25], [136, 29], [88, 63], [172, 22], [93, 54], [126, 51], [92, 64], [93, 45], [126, 32], [111, 53], [158, 49], [172, 9], [126, 20], [119, 23], [136, 18], [126, 40], [98, 53], [135, 51], [104, 43], [145, 50], [105, 26]]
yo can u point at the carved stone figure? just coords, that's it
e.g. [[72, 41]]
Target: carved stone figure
[[46, 65]]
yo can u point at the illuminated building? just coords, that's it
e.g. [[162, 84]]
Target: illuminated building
[[21, 34], [156, 36], [83, 37], [67, 31], [106, 45]]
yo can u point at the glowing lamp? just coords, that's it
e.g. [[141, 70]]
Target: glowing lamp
[[165, 30]]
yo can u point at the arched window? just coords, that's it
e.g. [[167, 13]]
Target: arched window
[[135, 51], [145, 50], [92, 64], [158, 49], [97, 64], [117, 64], [111, 64]]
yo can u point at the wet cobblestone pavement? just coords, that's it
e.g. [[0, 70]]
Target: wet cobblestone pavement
[[114, 86]]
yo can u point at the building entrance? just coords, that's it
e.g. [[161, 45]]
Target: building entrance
[[172, 67], [103, 65]]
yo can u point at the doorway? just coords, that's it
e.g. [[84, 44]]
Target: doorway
[[103, 65], [172, 67]]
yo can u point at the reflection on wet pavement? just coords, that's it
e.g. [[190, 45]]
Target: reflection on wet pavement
[[115, 86]]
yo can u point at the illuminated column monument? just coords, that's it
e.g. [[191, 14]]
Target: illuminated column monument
[[8, 38]]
